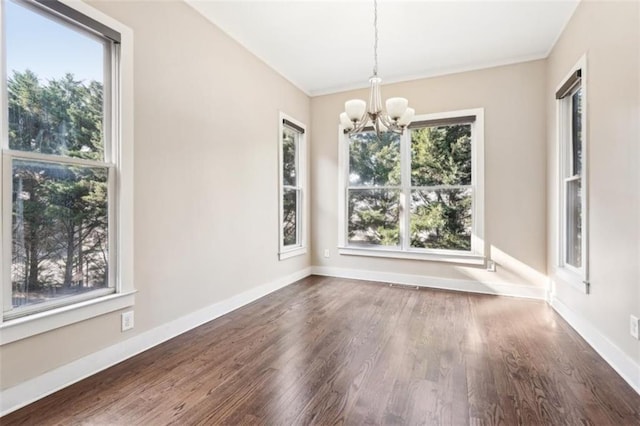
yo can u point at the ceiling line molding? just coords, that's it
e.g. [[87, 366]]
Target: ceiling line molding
[[443, 73]]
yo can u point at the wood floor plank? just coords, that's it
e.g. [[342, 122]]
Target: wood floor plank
[[336, 351]]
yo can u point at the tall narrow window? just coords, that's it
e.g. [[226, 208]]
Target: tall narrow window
[[572, 202], [292, 187], [60, 145], [418, 195]]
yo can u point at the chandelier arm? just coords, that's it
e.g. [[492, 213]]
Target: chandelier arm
[[388, 122], [391, 125], [365, 117], [359, 125]]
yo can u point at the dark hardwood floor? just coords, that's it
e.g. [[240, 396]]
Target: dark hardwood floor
[[334, 351]]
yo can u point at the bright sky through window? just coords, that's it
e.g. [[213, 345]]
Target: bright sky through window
[[49, 49]]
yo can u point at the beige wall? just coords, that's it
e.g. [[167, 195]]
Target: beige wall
[[515, 205], [206, 176], [608, 32]]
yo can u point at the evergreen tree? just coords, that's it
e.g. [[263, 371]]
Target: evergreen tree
[[441, 218], [59, 210], [373, 211]]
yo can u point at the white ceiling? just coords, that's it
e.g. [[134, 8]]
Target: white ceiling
[[327, 46]]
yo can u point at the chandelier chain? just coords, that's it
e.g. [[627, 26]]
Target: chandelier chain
[[357, 116], [375, 43]]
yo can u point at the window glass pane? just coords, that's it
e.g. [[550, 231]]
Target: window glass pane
[[55, 86], [441, 219], [59, 231], [289, 156], [373, 161], [576, 132], [574, 222], [373, 217], [441, 155], [291, 201]]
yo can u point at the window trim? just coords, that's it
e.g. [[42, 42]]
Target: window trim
[[576, 77], [120, 201], [286, 252], [77, 18], [476, 256]]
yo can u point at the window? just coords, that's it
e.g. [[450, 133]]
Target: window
[[292, 154], [418, 195], [66, 194], [572, 142]]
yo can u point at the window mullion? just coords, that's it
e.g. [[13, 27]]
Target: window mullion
[[109, 121], [584, 184], [112, 152], [569, 149], [563, 160], [374, 187], [4, 92], [5, 175], [114, 272], [296, 157], [55, 159], [405, 195], [343, 191], [437, 187], [6, 293], [298, 217]]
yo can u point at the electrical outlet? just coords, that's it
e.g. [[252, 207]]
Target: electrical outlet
[[491, 266], [127, 320], [634, 327], [327, 253]]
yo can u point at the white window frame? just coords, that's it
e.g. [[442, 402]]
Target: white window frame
[[120, 201], [473, 257], [286, 252], [576, 277]]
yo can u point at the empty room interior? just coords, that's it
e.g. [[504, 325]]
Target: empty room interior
[[320, 212]]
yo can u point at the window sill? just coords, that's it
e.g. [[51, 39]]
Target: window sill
[[571, 278], [27, 326], [292, 253], [451, 257]]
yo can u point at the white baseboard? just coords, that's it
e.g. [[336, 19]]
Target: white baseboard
[[34, 389], [500, 289], [624, 365]]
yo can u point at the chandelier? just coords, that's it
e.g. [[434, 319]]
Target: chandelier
[[356, 116]]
